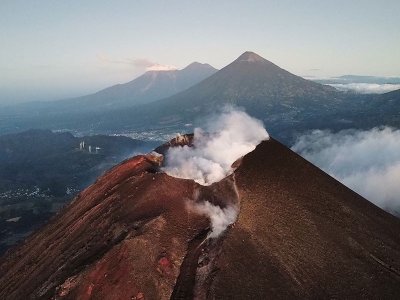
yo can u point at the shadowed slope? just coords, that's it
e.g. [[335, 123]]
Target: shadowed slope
[[301, 233]]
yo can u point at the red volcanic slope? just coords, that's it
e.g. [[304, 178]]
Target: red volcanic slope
[[131, 235], [124, 235]]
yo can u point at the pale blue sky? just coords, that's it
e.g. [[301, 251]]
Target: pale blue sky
[[55, 49]]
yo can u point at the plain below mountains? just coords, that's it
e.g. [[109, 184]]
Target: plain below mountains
[[40, 171], [300, 234]]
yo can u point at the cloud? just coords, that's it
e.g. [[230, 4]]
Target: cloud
[[138, 63], [366, 161], [324, 79], [158, 67], [224, 138], [366, 88]]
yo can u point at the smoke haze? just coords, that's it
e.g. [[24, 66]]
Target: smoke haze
[[216, 146], [366, 161]]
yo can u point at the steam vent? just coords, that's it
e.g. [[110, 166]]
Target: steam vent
[[276, 227]]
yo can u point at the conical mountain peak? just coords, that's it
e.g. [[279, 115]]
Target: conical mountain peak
[[251, 57], [196, 66]]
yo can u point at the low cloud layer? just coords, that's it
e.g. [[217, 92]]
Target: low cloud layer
[[366, 88], [222, 140], [366, 161]]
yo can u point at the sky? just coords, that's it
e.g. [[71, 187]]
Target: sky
[[59, 49]]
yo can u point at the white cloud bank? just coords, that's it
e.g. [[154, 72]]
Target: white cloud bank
[[366, 161], [366, 88]]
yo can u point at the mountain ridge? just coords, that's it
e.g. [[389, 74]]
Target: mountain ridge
[[286, 103], [150, 86], [263, 89], [131, 234]]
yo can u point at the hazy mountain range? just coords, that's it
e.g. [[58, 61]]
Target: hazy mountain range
[[288, 104], [151, 86]]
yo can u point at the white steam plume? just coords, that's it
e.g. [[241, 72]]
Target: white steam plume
[[220, 218], [223, 140], [366, 161]]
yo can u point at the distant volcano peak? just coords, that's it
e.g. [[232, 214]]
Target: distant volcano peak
[[251, 57], [197, 65]]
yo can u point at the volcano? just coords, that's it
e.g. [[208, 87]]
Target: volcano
[[281, 99], [250, 81], [299, 233], [149, 87], [170, 101]]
